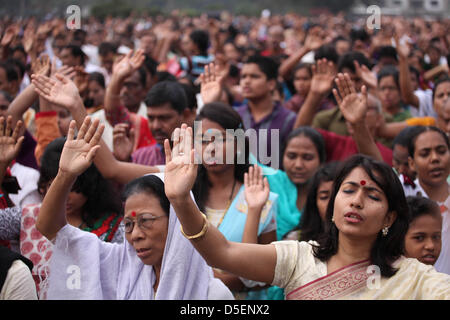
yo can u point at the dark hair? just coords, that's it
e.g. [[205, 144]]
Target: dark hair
[[107, 47], [418, 132], [101, 196], [76, 51], [190, 96], [438, 83], [389, 71], [303, 65], [227, 118], [347, 61], [328, 52], [165, 76], [267, 66], [387, 51], [150, 65], [359, 34], [201, 39], [10, 70], [97, 77], [148, 184], [142, 71], [386, 249], [7, 96], [167, 92], [420, 206], [313, 135], [311, 224], [404, 137]]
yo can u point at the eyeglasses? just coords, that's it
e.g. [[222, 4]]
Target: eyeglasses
[[144, 221]]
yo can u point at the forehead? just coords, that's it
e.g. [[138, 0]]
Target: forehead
[[164, 109], [301, 143], [208, 125], [429, 139], [387, 80], [443, 87], [252, 68], [427, 222], [142, 202], [358, 175], [134, 78]]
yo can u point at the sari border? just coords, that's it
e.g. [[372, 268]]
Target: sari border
[[328, 275]]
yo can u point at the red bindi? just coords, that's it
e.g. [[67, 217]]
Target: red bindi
[[133, 213], [362, 182]]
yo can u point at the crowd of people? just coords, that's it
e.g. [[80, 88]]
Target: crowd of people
[[232, 157]]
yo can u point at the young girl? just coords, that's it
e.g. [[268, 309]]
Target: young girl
[[302, 83], [219, 189], [423, 239], [429, 156]]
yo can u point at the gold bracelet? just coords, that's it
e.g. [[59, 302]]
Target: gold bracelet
[[201, 233]]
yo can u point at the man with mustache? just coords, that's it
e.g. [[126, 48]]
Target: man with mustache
[[167, 109]]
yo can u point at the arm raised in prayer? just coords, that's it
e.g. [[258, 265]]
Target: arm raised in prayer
[[77, 155], [63, 92], [237, 258], [354, 108]]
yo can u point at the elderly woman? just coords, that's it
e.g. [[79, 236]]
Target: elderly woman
[[155, 261]]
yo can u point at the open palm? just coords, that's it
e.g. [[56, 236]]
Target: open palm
[[352, 105], [323, 76], [211, 83], [78, 153], [129, 63], [256, 188], [10, 142], [58, 90], [180, 171]]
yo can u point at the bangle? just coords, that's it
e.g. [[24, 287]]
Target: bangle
[[201, 233]]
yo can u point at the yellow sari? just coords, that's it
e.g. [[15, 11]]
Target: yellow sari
[[305, 277]]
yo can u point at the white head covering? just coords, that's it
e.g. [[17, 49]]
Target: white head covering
[[84, 267]]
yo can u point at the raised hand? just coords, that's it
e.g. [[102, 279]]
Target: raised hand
[[402, 49], [256, 188], [9, 36], [367, 76], [323, 75], [128, 64], [352, 105], [58, 90], [211, 81], [42, 65], [78, 153], [10, 142], [181, 170], [122, 142]]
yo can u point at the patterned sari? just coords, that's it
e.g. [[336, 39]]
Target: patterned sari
[[341, 283]]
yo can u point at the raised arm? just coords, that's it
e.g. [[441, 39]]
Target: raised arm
[[10, 143], [122, 70], [76, 157], [406, 89], [256, 195], [354, 109], [321, 84], [312, 42], [63, 92], [237, 258], [211, 84]]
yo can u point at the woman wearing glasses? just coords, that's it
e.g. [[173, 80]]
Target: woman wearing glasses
[[155, 261]]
